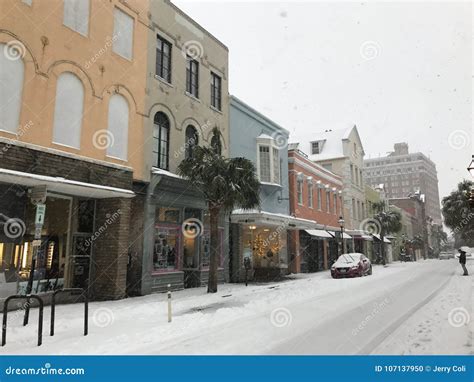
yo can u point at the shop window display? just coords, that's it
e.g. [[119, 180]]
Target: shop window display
[[267, 245], [166, 249]]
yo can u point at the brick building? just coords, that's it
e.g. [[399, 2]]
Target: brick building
[[415, 207], [404, 173], [315, 195]]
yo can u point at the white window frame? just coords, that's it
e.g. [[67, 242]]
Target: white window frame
[[319, 144], [310, 193], [275, 162], [299, 190], [260, 165], [328, 200], [320, 197]]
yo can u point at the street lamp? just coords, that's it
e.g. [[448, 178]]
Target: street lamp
[[471, 167], [471, 193], [341, 224]]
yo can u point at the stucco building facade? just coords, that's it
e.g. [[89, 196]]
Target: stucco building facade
[[341, 152], [187, 97], [71, 133], [262, 235]]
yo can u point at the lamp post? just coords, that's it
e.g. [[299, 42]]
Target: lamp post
[[341, 224], [471, 193], [471, 167]]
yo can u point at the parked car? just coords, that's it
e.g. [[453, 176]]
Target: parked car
[[351, 265], [446, 255]]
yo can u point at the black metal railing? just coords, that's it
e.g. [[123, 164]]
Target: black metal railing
[[86, 307], [27, 298]]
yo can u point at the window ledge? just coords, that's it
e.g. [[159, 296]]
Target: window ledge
[[130, 60], [192, 97], [116, 158], [16, 134], [68, 146], [216, 109], [162, 80], [76, 31], [271, 184]]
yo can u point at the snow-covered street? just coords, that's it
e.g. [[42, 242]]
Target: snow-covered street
[[405, 308]]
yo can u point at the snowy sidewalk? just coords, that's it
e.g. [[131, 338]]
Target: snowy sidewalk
[[235, 320]]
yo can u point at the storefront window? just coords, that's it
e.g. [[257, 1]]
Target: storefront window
[[191, 236], [85, 215], [267, 245], [16, 254], [166, 249], [167, 214]]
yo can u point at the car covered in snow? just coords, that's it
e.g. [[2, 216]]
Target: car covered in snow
[[446, 255], [351, 265]]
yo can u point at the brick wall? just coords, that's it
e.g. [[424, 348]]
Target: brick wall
[[38, 162], [111, 249]]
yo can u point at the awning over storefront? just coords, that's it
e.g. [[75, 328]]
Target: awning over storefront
[[385, 240], [319, 233], [63, 186], [359, 234], [269, 218], [344, 235]]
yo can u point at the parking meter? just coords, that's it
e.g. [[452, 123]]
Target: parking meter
[[247, 263], [247, 266]]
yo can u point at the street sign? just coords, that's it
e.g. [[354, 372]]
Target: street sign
[[40, 212]]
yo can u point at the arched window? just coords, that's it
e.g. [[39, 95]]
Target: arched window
[[161, 141], [118, 127], [192, 140], [68, 111], [12, 70]]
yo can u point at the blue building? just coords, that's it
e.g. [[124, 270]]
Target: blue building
[[262, 235]]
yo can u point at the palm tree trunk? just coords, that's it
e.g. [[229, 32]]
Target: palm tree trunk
[[214, 255]]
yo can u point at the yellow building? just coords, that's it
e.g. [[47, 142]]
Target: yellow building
[[72, 107]]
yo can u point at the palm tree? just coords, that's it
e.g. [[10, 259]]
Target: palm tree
[[225, 183], [458, 215], [389, 221], [438, 236]]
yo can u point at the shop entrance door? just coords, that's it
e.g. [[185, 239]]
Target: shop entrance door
[[81, 258], [82, 243]]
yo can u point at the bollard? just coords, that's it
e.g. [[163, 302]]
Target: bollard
[[169, 302]]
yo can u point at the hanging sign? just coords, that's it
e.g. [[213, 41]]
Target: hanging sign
[[40, 212]]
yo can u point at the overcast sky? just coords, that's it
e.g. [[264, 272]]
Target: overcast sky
[[400, 71]]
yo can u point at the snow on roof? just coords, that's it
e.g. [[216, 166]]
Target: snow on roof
[[63, 185], [159, 171], [332, 146], [265, 136]]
